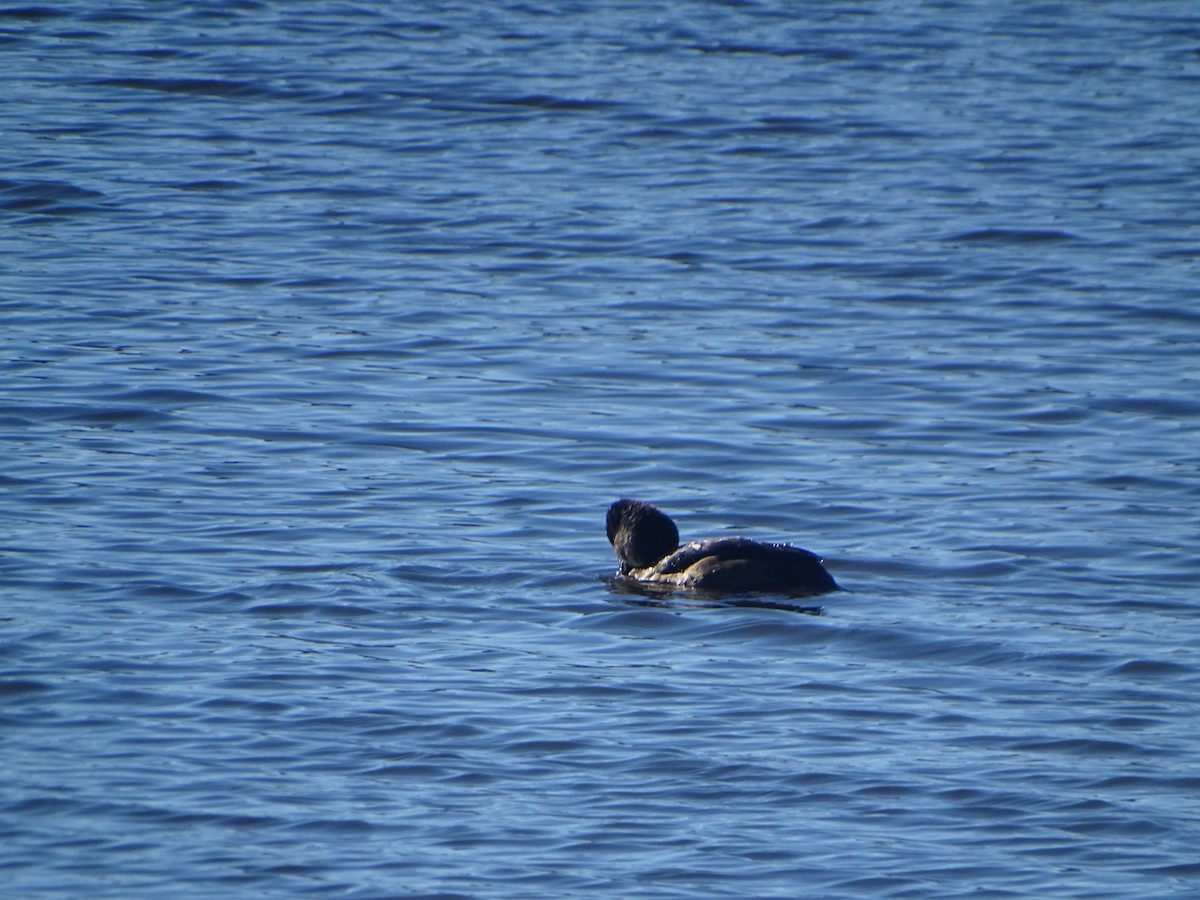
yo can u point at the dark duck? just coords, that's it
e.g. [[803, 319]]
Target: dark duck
[[647, 545]]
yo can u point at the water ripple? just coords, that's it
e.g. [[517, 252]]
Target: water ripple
[[329, 338]]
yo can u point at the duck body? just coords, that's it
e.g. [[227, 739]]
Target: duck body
[[639, 532]]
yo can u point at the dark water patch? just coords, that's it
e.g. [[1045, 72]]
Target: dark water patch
[[167, 397], [1147, 782], [782, 52], [1012, 236], [158, 590], [210, 186], [224, 89], [1082, 747], [305, 609], [32, 13], [47, 198], [667, 598], [900, 643], [43, 805], [326, 826], [556, 104], [634, 621], [1124, 827], [419, 771], [1153, 668], [1160, 603], [1181, 870], [1165, 407], [1131, 481], [258, 707], [1133, 723], [116, 416], [21, 687]]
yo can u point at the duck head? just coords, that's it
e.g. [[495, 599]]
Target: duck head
[[641, 534]]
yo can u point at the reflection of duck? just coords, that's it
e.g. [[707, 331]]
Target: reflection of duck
[[647, 546]]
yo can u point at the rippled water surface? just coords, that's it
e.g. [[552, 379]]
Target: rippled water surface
[[332, 329]]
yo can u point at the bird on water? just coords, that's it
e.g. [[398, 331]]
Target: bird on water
[[646, 542]]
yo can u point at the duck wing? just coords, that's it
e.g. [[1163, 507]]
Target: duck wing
[[721, 548], [738, 565]]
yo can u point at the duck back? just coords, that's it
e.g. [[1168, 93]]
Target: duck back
[[727, 565]]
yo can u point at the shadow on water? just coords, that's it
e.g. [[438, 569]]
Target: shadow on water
[[669, 597]]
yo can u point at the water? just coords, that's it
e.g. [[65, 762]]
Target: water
[[331, 330]]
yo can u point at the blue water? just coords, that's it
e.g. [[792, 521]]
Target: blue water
[[331, 330]]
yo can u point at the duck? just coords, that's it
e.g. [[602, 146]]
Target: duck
[[646, 541]]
